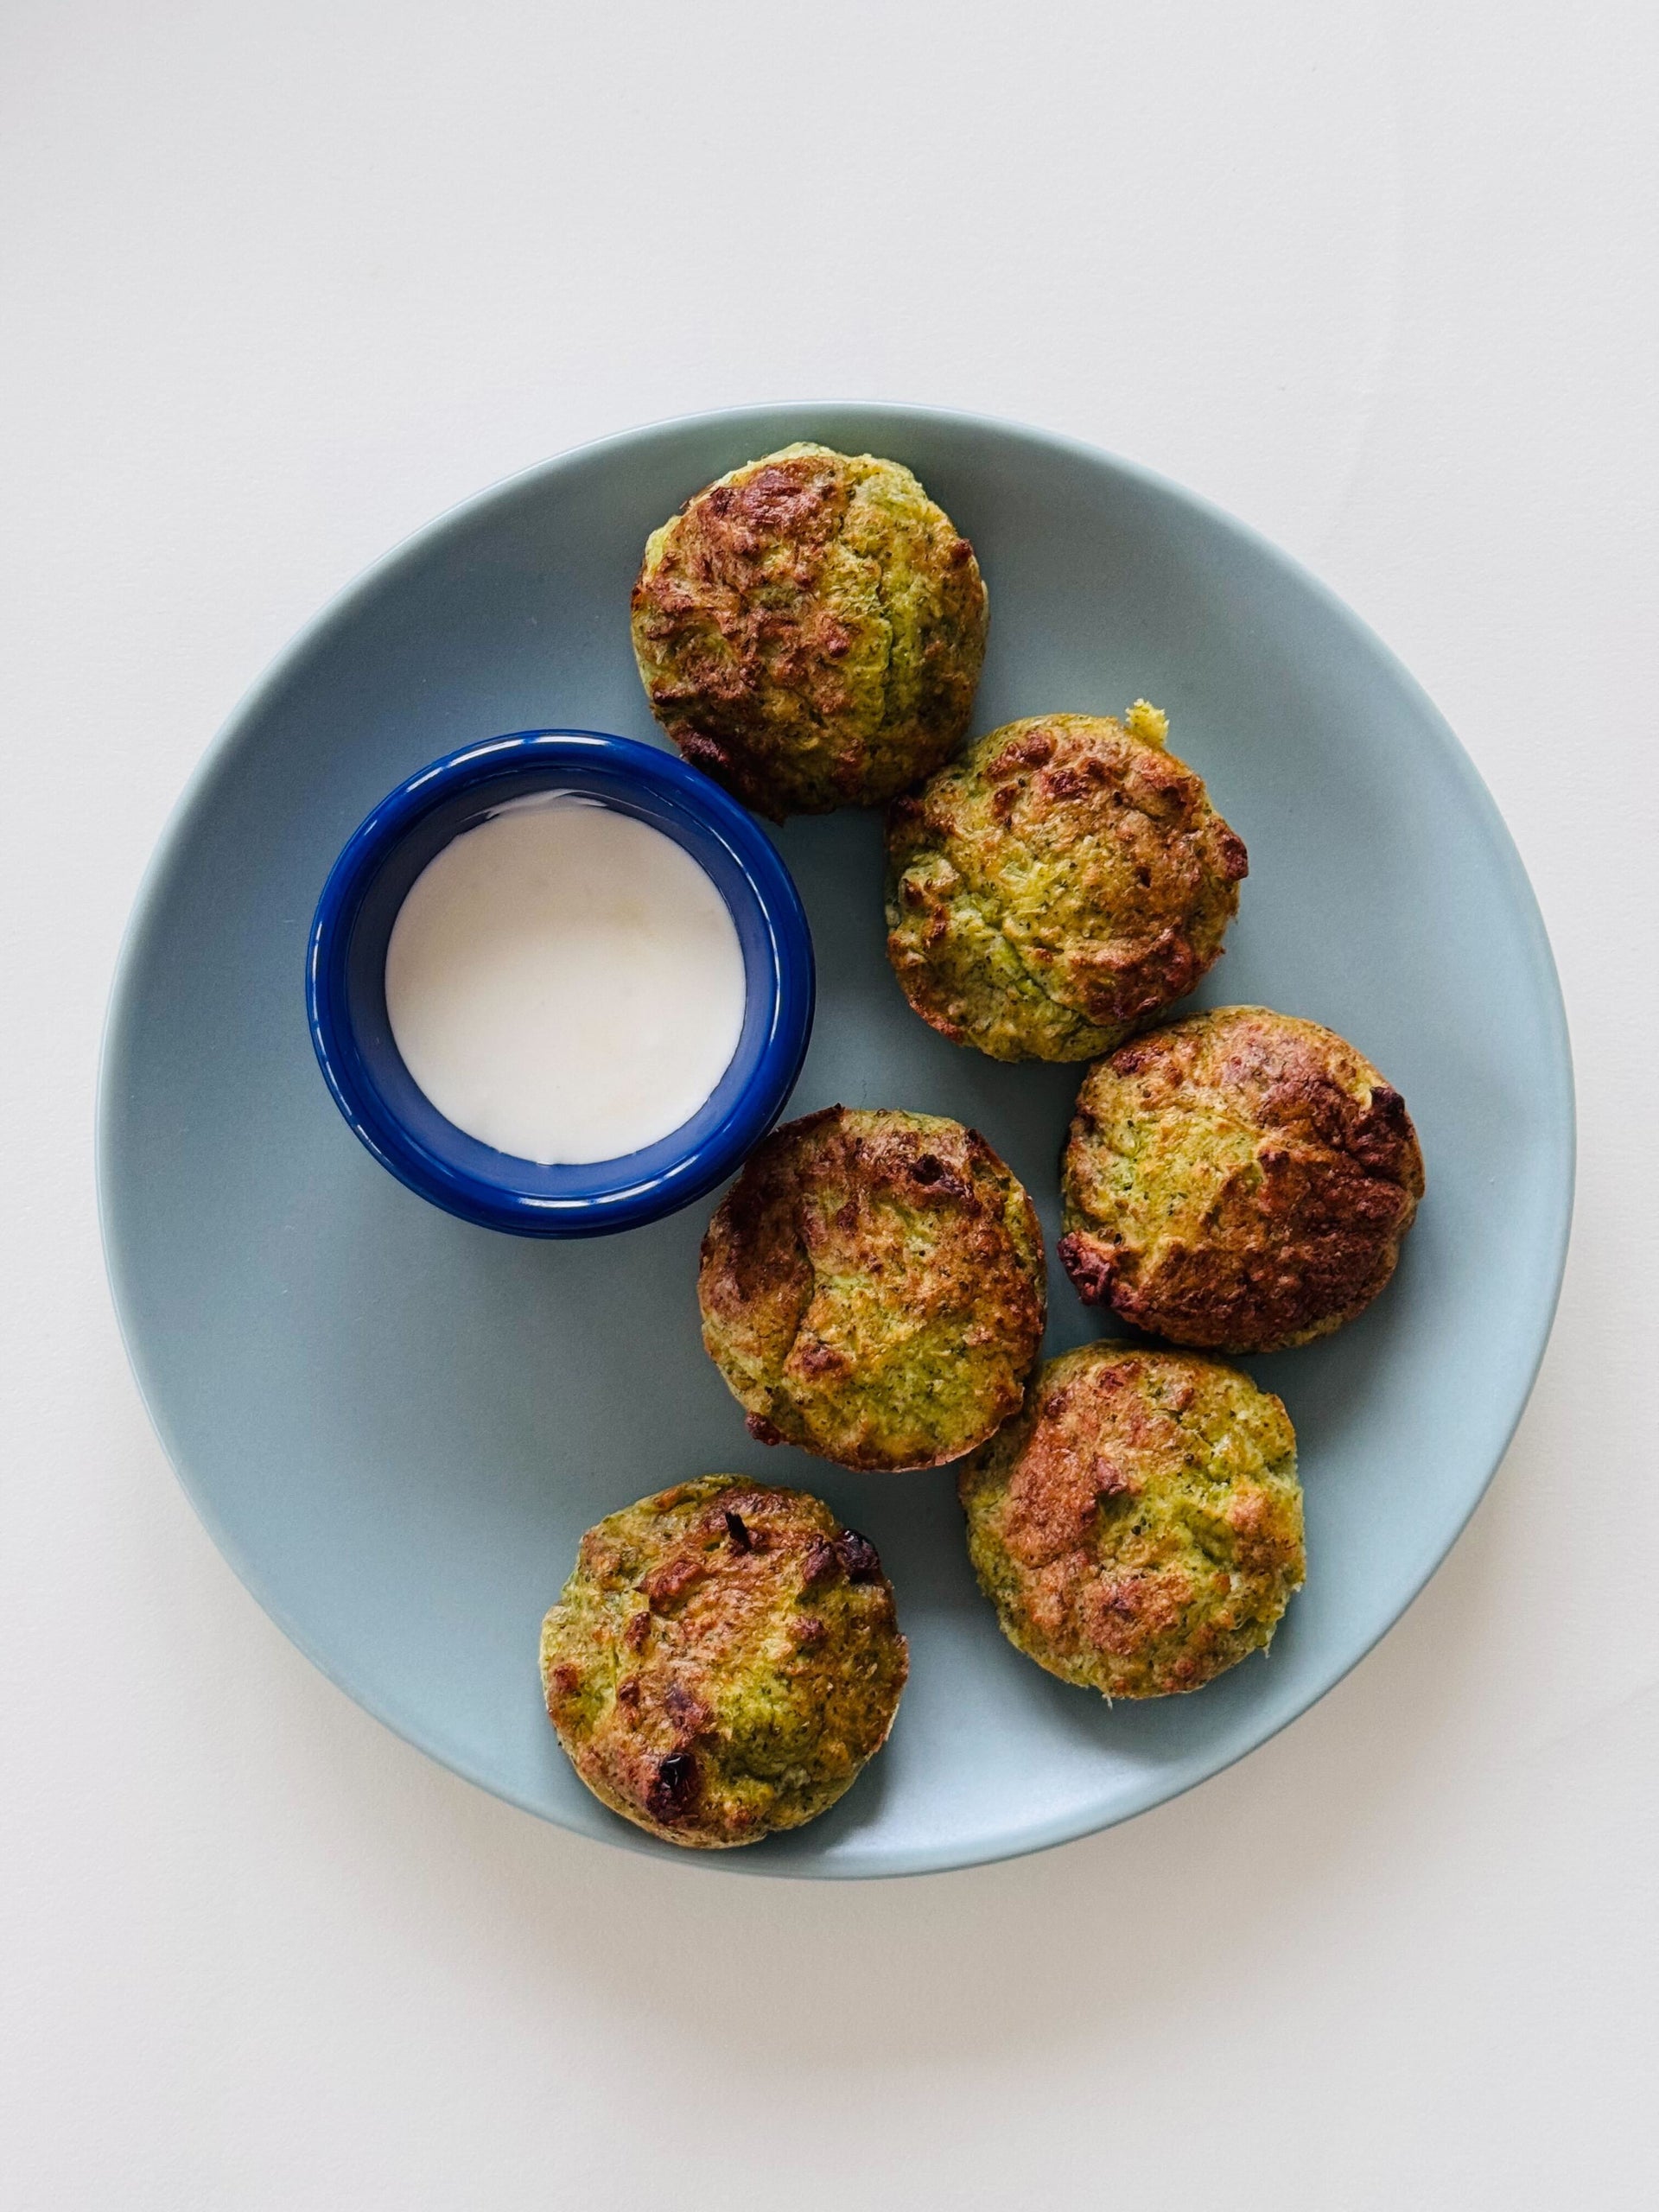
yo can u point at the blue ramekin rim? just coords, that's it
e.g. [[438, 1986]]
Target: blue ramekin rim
[[630, 1200]]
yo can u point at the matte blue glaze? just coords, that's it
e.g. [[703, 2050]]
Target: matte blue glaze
[[345, 996], [397, 1425]]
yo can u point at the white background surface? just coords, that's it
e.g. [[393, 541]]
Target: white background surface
[[282, 281]]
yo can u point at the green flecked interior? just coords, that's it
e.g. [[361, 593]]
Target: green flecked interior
[[1232, 1435], [793, 1728]]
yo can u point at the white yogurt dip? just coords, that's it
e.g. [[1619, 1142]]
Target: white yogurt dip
[[564, 982]]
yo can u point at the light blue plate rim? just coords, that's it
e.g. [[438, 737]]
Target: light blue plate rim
[[1560, 1130]]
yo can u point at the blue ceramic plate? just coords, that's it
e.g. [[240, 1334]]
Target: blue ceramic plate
[[397, 1425]]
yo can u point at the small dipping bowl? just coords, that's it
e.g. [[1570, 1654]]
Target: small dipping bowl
[[346, 996]]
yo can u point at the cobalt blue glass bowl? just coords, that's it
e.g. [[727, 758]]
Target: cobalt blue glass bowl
[[346, 1000]]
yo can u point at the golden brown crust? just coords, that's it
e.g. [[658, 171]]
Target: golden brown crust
[[723, 1661], [1064, 880], [1240, 1180], [872, 1288], [1139, 1527], [810, 631]]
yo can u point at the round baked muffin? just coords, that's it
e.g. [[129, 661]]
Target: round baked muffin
[[873, 1289], [723, 1661], [1240, 1180], [1139, 1527], [1062, 883], [810, 631]]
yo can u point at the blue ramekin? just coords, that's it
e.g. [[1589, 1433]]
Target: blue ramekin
[[346, 1000]]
